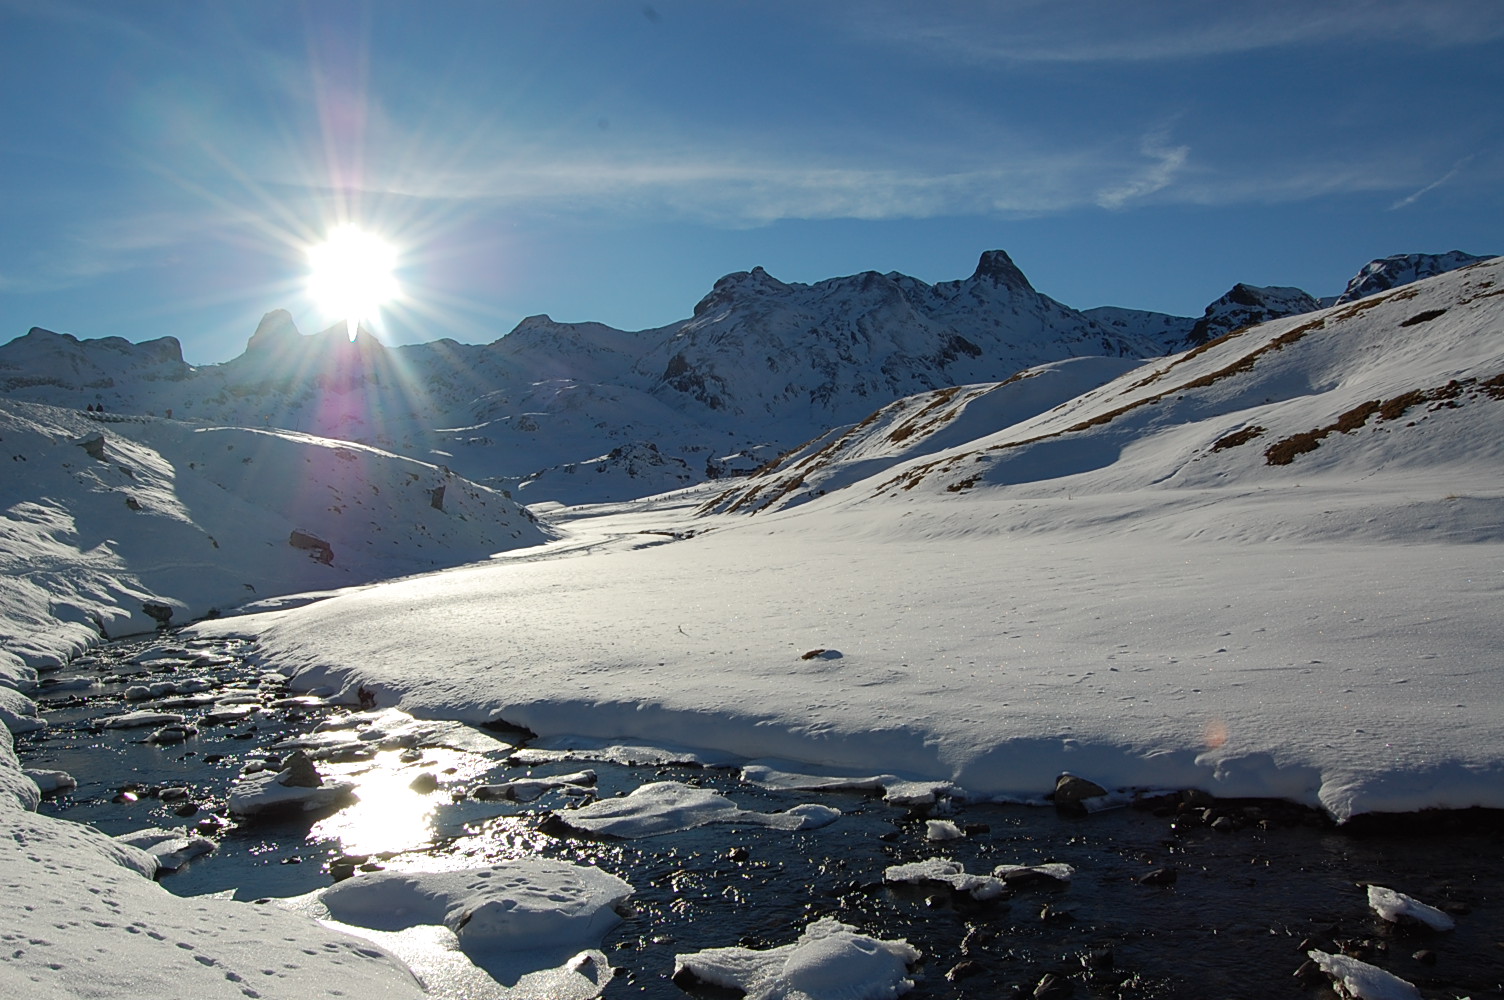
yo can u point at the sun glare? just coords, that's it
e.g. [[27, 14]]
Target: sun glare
[[351, 275]]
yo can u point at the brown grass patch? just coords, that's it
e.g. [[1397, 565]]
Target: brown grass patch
[[1283, 452], [1237, 438], [1422, 317]]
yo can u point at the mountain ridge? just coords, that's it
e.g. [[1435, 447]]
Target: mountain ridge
[[760, 366]]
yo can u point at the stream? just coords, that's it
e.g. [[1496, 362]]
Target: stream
[[1237, 890]]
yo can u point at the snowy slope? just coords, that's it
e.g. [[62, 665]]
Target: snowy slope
[[911, 427], [1398, 382], [1161, 328], [110, 524], [1135, 586]]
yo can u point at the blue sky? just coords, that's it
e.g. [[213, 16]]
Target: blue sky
[[166, 165]]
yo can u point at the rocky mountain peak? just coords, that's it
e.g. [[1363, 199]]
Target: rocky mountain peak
[[1385, 273], [275, 330], [1244, 305], [998, 268], [739, 284]]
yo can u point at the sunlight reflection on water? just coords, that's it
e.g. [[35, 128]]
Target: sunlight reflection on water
[[389, 815]]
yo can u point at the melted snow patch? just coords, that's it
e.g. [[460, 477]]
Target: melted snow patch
[[830, 961]]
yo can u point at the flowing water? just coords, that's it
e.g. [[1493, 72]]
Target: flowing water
[[1228, 920]]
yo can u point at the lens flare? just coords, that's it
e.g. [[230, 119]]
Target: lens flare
[[351, 275]]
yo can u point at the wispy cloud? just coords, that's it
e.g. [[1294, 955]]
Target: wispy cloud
[[1085, 31], [1165, 162], [1413, 197], [105, 245]]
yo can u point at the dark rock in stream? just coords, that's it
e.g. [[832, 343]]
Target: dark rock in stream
[[299, 772], [1072, 793]]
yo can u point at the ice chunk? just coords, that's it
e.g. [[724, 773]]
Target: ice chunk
[[670, 806], [1396, 907], [172, 848], [1361, 981], [946, 872], [263, 792]]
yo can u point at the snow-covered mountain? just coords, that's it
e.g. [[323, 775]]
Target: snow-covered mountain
[[760, 366], [1393, 384], [583, 412], [1245, 305], [1161, 328], [1401, 269]]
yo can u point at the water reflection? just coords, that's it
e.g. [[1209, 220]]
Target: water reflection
[[397, 800]]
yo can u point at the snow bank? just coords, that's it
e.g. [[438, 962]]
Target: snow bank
[[82, 917], [526, 923]]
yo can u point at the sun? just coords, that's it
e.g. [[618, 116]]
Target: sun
[[351, 275]]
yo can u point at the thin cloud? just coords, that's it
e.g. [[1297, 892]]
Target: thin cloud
[[1158, 175], [1412, 198], [106, 246], [1096, 31]]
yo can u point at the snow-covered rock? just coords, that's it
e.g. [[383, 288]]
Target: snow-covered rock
[[50, 782], [141, 719], [829, 961], [266, 792], [946, 872], [531, 925], [528, 789]]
